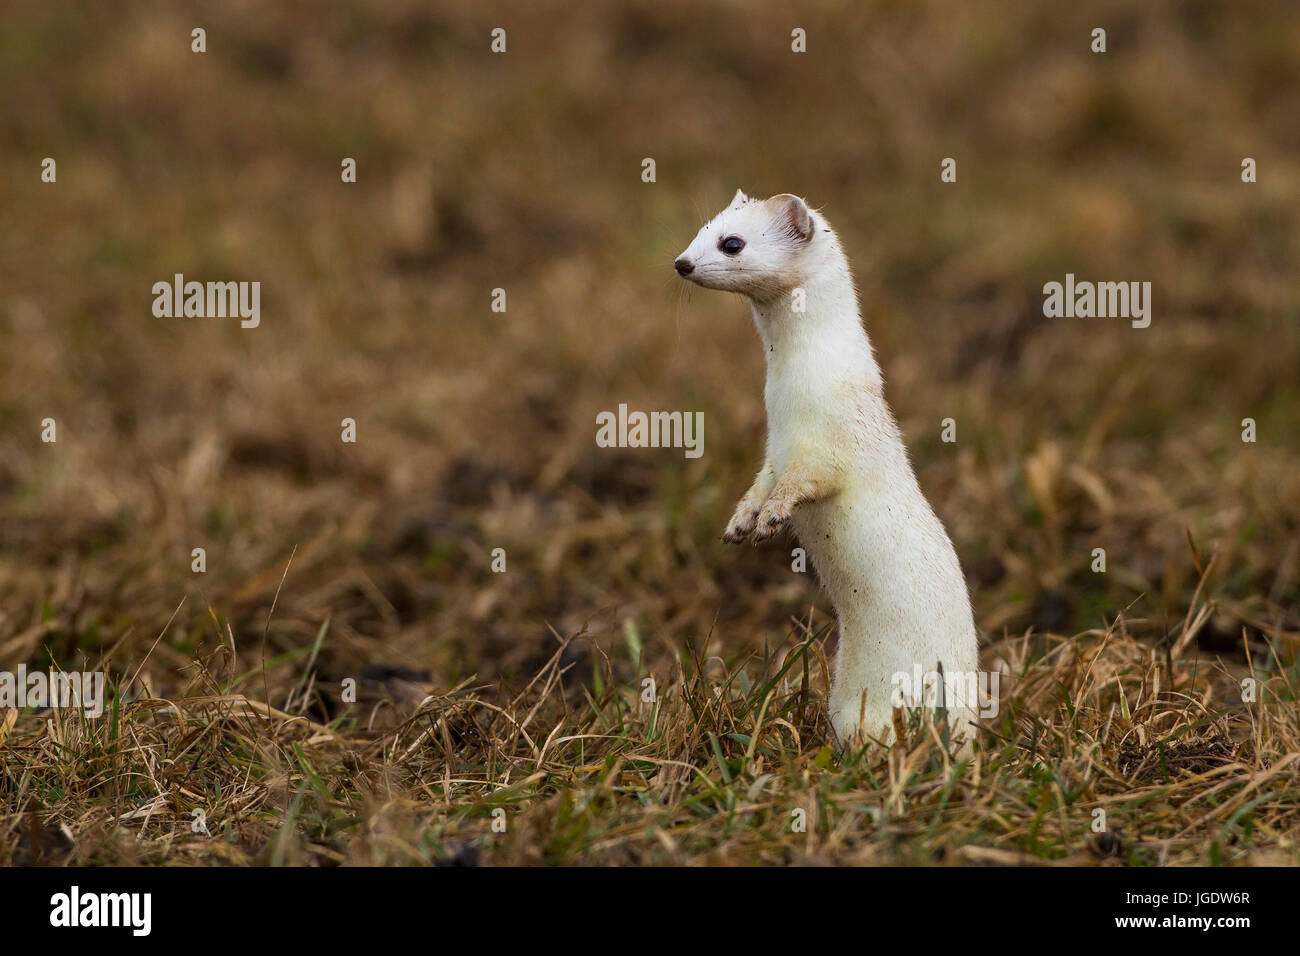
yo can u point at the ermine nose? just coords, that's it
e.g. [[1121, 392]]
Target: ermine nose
[[684, 266]]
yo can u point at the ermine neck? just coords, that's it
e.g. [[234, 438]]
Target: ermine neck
[[819, 334]]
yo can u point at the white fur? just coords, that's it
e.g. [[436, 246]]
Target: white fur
[[836, 467]]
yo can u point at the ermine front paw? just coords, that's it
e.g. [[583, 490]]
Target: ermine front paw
[[741, 524], [772, 519]]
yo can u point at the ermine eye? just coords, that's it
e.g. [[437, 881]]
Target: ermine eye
[[732, 245]]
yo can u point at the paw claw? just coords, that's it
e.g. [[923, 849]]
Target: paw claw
[[742, 523], [769, 523]]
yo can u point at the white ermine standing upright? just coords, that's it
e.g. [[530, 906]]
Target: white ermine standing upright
[[836, 467]]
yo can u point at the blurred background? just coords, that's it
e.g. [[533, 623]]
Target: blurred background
[[522, 171]]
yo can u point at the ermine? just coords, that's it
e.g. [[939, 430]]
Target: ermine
[[837, 470]]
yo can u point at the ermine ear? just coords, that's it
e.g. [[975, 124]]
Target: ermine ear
[[739, 199], [796, 217]]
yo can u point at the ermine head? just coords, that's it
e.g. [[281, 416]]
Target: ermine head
[[761, 248]]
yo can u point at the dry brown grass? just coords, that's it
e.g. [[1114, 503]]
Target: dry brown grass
[[520, 691], [719, 770]]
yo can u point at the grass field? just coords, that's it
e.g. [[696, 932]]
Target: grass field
[[501, 718]]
